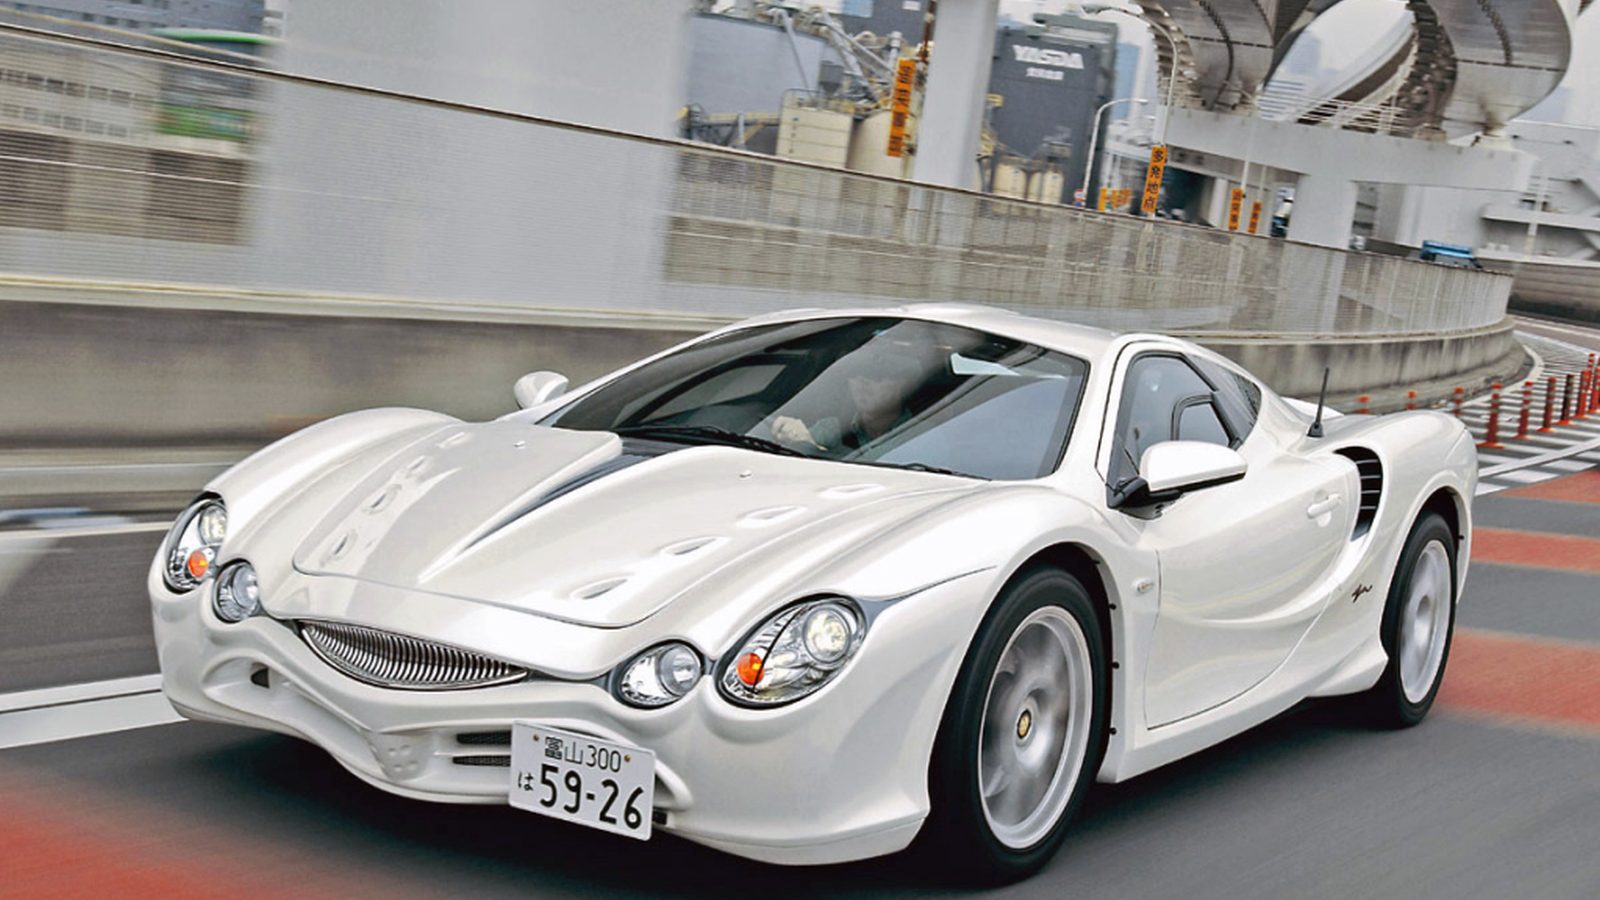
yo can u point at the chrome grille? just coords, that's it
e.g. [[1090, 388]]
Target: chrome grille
[[391, 660]]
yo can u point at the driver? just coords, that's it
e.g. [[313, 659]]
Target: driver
[[878, 387]]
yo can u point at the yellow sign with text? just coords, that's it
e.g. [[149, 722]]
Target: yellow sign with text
[[1152, 179], [905, 79], [1235, 207], [1255, 216]]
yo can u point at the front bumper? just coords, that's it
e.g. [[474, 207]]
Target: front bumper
[[841, 775]]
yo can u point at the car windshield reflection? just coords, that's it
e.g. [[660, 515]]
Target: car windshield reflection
[[880, 391]]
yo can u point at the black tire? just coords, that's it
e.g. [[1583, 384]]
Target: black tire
[[957, 837], [1386, 704]]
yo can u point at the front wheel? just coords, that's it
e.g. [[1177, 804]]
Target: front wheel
[[1023, 732], [1418, 620]]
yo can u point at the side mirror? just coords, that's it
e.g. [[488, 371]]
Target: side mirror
[[537, 387], [1180, 466], [1172, 468]]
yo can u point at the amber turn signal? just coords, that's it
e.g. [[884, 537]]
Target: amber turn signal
[[750, 669], [199, 562]]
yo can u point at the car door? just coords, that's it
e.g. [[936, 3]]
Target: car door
[[1243, 565]]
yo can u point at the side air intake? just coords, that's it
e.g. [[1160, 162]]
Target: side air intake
[[1371, 472]]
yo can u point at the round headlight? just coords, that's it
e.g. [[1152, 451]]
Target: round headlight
[[659, 675], [828, 631], [238, 595], [793, 653], [192, 544], [213, 521]]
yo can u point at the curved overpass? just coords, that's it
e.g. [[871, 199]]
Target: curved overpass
[[1474, 64]]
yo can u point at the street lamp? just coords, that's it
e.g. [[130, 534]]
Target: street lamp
[[1172, 80], [1094, 138]]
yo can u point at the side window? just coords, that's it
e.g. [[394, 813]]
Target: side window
[[1200, 422], [1156, 391], [1238, 397]]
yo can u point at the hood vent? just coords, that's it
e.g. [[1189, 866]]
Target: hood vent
[[1371, 472]]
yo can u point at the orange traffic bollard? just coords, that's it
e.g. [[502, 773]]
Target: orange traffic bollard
[[1365, 408], [1583, 395], [1527, 406], [1492, 438], [1549, 402], [1411, 399], [1566, 403], [1460, 395]]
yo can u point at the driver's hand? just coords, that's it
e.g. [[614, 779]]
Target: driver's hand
[[794, 431]]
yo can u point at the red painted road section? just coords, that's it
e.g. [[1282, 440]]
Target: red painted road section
[[1583, 487], [1537, 679], [57, 841], [1525, 678], [1544, 551]]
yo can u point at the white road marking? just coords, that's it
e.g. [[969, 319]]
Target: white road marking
[[77, 693], [112, 467], [82, 710], [1527, 477], [95, 531], [1539, 460], [1568, 465]]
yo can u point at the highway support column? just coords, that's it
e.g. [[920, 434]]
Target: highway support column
[[957, 86]]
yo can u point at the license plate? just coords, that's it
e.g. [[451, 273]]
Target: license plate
[[582, 779]]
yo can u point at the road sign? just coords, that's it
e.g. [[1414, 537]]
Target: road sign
[[1235, 205], [1152, 179], [905, 79], [1078, 197], [1255, 216], [1104, 193]]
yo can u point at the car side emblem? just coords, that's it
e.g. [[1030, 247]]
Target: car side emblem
[[1360, 589]]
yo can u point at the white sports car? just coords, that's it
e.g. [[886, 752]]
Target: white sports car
[[821, 583]]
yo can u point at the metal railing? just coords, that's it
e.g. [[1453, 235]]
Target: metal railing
[[339, 189]]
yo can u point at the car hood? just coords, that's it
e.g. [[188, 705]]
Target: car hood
[[568, 525]]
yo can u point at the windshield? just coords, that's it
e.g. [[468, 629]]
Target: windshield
[[881, 391]]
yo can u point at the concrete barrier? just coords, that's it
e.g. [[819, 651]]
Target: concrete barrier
[[99, 365]]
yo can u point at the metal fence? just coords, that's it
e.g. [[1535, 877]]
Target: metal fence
[[109, 171]]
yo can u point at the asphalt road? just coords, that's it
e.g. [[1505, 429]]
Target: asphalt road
[[74, 607], [1311, 805]]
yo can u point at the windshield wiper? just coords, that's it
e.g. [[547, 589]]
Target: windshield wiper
[[913, 466], [710, 434]]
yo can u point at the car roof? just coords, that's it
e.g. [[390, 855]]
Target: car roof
[[1068, 337]]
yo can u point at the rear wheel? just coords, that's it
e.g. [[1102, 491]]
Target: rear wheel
[[1418, 622], [1023, 732]]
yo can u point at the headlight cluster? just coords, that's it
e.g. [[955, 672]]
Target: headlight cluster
[[793, 653], [790, 655], [192, 543]]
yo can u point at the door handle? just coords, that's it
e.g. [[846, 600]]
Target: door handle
[[1322, 507]]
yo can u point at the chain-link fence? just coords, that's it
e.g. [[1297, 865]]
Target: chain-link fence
[[127, 165]]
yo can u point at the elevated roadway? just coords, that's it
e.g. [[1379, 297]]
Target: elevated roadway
[[1477, 63]]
